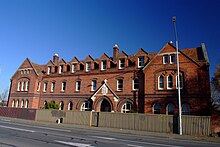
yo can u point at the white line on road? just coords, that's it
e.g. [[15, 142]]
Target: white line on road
[[47, 128], [137, 142], [18, 129], [73, 144]]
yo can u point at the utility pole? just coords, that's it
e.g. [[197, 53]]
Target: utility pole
[[178, 77]]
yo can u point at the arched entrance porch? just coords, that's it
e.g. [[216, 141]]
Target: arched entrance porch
[[103, 104]]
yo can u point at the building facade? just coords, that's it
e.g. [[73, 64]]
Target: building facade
[[143, 82]]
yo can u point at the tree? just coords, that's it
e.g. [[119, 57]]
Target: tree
[[51, 105], [4, 94], [215, 88]]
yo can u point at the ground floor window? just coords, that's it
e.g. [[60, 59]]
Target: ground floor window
[[156, 108], [70, 105], [126, 107], [86, 106], [186, 109], [170, 109]]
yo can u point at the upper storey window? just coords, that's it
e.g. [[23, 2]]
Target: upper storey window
[[45, 86], [119, 84], [94, 85], [103, 65], [161, 82], [169, 59], [135, 84], [52, 86], [88, 66], [78, 85], [49, 70], [121, 63], [61, 69], [73, 67], [165, 59], [38, 86], [181, 81], [19, 86], [140, 62], [169, 82], [63, 86]]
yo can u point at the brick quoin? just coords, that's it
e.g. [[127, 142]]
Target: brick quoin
[[146, 68]]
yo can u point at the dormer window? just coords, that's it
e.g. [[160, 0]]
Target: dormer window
[[121, 63], [88, 66], [48, 70], [165, 59], [73, 67], [61, 69], [140, 62], [103, 65]]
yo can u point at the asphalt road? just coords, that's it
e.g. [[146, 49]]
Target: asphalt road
[[20, 134]]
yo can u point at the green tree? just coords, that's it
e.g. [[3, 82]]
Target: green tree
[[51, 105]]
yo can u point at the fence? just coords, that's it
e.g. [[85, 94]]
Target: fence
[[192, 125]]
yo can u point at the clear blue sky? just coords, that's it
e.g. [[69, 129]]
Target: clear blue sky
[[38, 29]]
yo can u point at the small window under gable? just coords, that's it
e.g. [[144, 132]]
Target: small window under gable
[[60, 69], [172, 58], [165, 59], [103, 65], [73, 67], [49, 70], [122, 63], [88, 66], [140, 61]]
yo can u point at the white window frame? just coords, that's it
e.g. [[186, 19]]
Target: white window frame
[[126, 107], [78, 85], [104, 65], [61, 105], [73, 67], [19, 86], [13, 103], [38, 86], [22, 103], [159, 82], [52, 87], [49, 70], [169, 82], [60, 69], [88, 66], [22, 86], [69, 106], [122, 63], [184, 106], [63, 88], [140, 61], [135, 82], [45, 87], [120, 83], [94, 85], [27, 86], [164, 59], [181, 82], [26, 104], [172, 57], [86, 106], [17, 104]]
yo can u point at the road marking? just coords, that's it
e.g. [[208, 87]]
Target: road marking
[[18, 129], [133, 145], [73, 144], [107, 138], [137, 142], [47, 128]]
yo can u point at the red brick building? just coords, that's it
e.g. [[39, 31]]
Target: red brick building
[[143, 82]]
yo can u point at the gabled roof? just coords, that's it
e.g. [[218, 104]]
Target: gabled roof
[[104, 85], [89, 58], [122, 54], [50, 63], [104, 56], [141, 52], [27, 64], [169, 47], [74, 60], [62, 61]]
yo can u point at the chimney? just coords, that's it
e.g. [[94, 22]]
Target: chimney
[[55, 58], [115, 52]]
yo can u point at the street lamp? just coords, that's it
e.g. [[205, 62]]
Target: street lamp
[[178, 77]]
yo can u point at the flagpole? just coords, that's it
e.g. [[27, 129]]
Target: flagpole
[[178, 77]]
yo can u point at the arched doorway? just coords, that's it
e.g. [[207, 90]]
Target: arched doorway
[[105, 106]]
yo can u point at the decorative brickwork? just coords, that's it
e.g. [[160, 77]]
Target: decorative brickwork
[[143, 82]]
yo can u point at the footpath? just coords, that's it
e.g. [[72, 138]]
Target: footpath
[[124, 131]]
